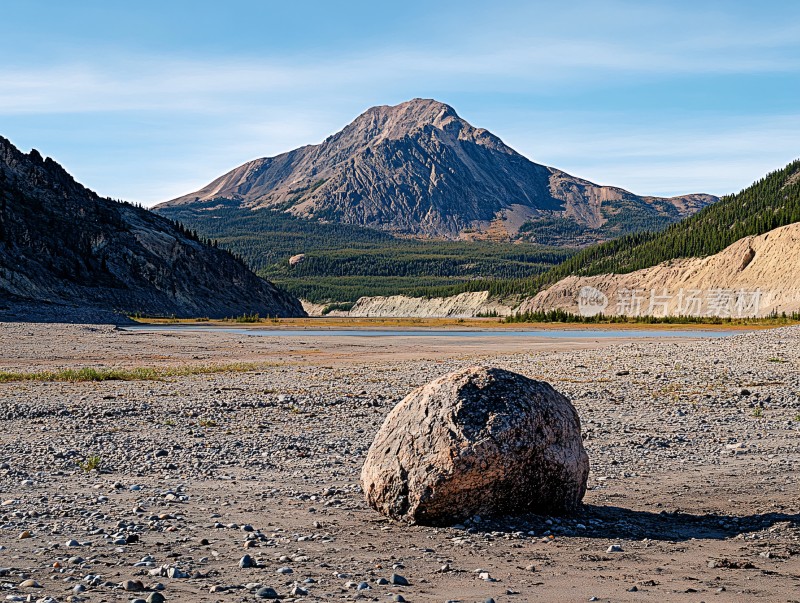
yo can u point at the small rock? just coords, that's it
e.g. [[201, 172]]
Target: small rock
[[267, 593], [176, 573], [133, 586], [614, 548], [398, 580], [246, 561]]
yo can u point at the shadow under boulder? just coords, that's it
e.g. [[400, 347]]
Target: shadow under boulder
[[481, 441]]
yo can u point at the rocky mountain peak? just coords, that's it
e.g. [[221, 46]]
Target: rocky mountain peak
[[419, 169], [417, 117]]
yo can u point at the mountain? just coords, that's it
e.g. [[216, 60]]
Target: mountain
[[417, 169], [767, 204], [63, 246], [754, 276]]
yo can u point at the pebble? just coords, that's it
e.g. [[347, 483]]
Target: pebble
[[267, 593], [132, 586]]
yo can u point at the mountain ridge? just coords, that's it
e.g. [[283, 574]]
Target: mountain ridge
[[62, 244], [770, 202], [757, 275], [418, 169]]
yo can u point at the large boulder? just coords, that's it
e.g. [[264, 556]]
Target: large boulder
[[481, 441]]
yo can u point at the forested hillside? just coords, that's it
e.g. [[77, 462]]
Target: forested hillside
[[769, 203], [342, 262]]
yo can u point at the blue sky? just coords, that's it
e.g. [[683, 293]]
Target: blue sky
[[145, 101]]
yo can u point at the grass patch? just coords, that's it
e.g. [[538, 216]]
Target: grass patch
[[245, 318], [132, 374], [91, 464]]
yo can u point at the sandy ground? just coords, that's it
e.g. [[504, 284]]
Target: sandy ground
[[693, 445]]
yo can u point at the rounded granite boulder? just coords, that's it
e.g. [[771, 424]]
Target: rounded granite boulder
[[481, 441]]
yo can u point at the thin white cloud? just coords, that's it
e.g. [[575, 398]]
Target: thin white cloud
[[213, 85], [718, 156], [212, 113]]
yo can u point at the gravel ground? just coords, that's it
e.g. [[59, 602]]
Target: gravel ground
[[692, 495]]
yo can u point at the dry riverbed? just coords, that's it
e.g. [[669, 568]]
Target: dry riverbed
[[693, 496]]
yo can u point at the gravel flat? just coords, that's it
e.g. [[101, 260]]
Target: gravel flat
[[244, 485]]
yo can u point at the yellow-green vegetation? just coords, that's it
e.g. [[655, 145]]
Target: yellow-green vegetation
[[129, 374], [339, 322], [248, 318], [207, 423], [534, 321], [92, 463]]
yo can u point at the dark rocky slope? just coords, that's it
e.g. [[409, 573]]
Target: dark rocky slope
[[64, 250]]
